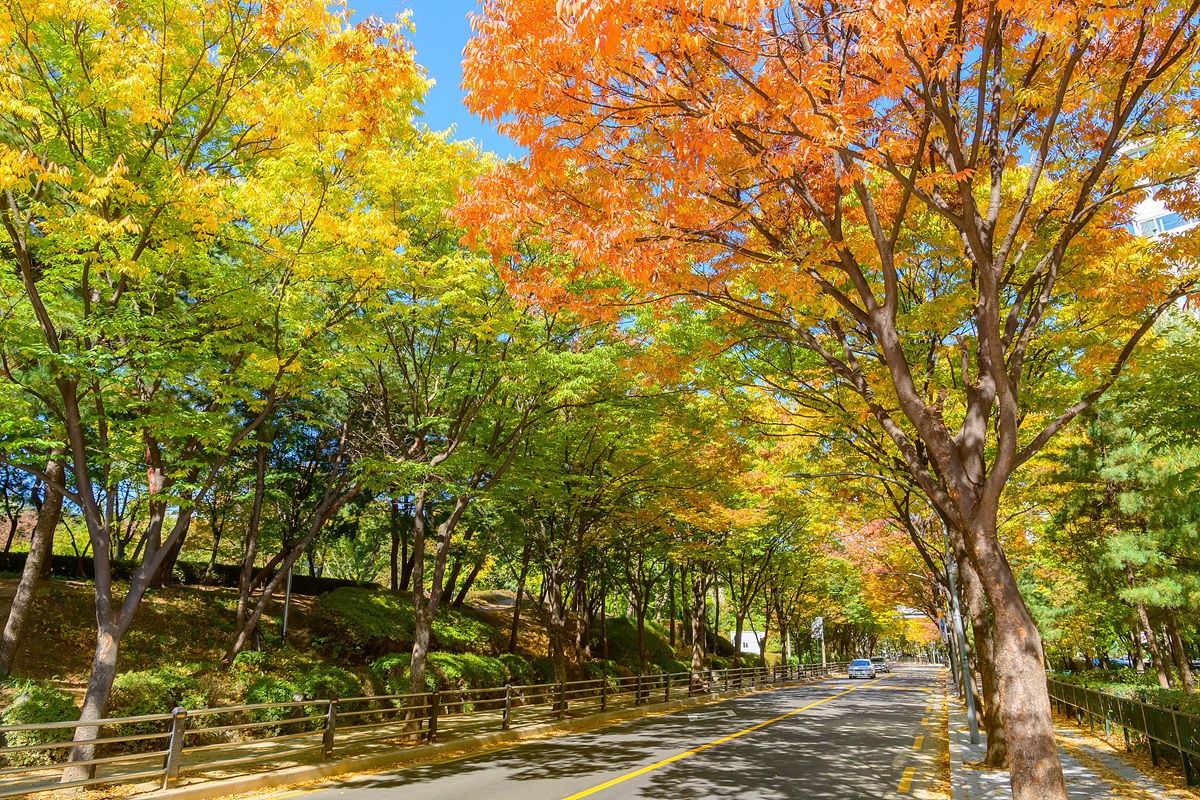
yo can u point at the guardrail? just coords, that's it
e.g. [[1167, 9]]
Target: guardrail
[[1177, 730], [165, 747]]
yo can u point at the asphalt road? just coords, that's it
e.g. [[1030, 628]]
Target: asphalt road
[[834, 738]]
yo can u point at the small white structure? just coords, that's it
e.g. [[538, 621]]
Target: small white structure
[[751, 641]]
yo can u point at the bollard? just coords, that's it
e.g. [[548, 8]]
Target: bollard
[[507, 719], [174, 747], [433, 716], [330, 730]]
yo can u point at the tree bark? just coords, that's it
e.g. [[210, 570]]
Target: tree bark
[[40, 548], [394, 530], [1156, 655], [699, 591], [516, 622], [981, 627], [250, 551], [1025, 711], [1180, 658]]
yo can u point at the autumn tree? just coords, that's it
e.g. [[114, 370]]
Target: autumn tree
[[927, 202], [183, 228]]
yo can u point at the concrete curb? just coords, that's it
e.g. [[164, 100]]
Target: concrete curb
[[313, 772]]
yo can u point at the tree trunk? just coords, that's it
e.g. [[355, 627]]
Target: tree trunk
[[468, 582], [212, 558], [1034, 767], [699, 587], [558, 619], [1156, 656], [604, 617], [671, 601], [40, 548], [512, 636], [1181, 661], [981, 627], [739, 622], [394, 529], [643, 662], [425, 608], [95, 702], [250, 551]]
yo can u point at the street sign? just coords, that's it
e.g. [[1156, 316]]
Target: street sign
[[818, 628]]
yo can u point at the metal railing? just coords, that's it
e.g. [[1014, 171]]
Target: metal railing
[[1177, 730], [219, 742]]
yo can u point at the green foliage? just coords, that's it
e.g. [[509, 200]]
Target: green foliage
[[543, 669], [716, 662], [604, 668], [327, 683], [466, 671], [520, 671], [392, 671], [364, 623], [623, 647], [35, 704], [271, 689], [153, 691]]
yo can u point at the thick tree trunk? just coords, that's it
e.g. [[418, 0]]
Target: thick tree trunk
[[981, 627], [699, 590], [558, 619], [40, 548], [95, 702], [425, 607], [512, 636], [643, 663], [1034, 767], [1177, 654]]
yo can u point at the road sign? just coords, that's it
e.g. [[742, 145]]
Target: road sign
[[818, 628]]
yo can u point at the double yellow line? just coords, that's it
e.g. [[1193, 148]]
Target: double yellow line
[[722, 740]]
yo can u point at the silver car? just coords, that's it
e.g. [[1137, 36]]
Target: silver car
[[862, 668], [880, 663]]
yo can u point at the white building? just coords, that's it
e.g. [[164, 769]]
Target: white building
[[751, 641]]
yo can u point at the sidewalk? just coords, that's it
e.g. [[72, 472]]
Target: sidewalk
[[1091, 773]]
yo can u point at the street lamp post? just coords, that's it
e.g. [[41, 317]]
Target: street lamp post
[[960, 639]]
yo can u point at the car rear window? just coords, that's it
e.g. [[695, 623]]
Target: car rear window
[[861, 662], [879, 659]]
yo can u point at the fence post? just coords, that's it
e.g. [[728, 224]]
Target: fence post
[[667, 693], [330, 729], [604, 693], [174, 747], [1183, 756], [637, 692], [433, 715], [506, 720], [1124, 726], [562, 699]]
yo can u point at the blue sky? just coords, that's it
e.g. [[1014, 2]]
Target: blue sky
[[442, 30]]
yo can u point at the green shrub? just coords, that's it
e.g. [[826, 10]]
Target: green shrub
[[392, 671], [671, 665], [543, 669], [623, 644], [271, 689], [520, 671], [327, 683], [466, 671], [153, 691], [716, 662], [361, 623], [33, 705]]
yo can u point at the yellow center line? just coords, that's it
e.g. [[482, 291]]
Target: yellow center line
[[693, 751], [918, 742], [906, 781]]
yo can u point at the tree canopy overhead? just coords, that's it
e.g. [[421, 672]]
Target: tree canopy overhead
[[930, 200]]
